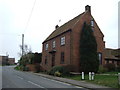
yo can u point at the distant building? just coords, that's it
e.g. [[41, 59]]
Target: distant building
[[62, 46], [11, 61], [112, 56], [5, 60]]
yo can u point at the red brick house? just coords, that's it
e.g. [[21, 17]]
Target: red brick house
[[62, 46], [5, 60], [11, 61], [112, 56]]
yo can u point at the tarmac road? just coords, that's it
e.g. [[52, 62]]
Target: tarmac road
[[17, 79]]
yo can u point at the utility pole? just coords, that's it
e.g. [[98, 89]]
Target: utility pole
[[22, 44]]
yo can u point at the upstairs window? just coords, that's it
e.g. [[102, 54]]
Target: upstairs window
[[53, 44], [92, 23], [62, 40], [46, 47]]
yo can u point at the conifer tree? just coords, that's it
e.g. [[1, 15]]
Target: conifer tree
[[88, 50]]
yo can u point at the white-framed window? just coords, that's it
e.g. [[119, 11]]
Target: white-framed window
[[100, 57], [63, 40], [53, 44], [46, 46], [92, 23]]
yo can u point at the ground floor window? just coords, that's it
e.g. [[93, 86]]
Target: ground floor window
[[53, 59], [62, 58], [46, 60], [100, 57]]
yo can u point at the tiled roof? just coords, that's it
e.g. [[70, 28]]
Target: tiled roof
[[109, 54], [65, 27]]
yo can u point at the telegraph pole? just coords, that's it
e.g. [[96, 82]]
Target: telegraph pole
[[22, 44]]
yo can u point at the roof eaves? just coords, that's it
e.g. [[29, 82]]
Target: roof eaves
[[66, 26], [57, 35]]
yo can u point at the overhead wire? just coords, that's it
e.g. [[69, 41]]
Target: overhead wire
[[30, 16]]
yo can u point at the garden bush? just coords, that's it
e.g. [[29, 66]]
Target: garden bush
[[21, 67], [61, 69], [117, 68], [110, 67], [102, 69], [17, 68], [57, 73]]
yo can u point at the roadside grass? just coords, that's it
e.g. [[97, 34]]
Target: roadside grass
[[111, 73], [17, 68], [104, 80]]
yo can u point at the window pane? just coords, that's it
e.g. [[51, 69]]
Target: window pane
[[92, 23], [53, 44], [100, 57], [46, 47], [62, 40]]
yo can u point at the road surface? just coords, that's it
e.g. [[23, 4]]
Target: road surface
[[17, 79]]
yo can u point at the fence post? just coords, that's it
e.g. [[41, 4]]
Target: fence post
[[90, 75], [83, 76], [93, 74]]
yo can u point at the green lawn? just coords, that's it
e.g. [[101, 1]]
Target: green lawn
[[105, 80], [111, 73]]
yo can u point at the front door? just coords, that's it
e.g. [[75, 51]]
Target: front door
[[53, 59]]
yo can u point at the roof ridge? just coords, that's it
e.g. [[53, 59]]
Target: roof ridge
[[79, 19], [65, 27]]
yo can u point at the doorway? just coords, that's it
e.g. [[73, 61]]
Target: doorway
[[53, 59]]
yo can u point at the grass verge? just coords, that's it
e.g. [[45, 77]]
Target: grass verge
[[104, 80], [17, 68]]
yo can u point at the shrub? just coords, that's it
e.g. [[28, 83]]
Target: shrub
[[17, 68], [117, 68], [57, 73], [110, 67], [21, 67], [88, 50], [102, 69], [60, 69]]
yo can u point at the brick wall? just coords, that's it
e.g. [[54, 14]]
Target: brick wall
[[72, 44], [65, 48]]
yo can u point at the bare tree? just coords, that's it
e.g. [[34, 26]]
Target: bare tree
[[26, 50], [25, 55]]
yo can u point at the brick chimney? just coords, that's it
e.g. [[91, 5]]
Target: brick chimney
[[56, 26], [88, 8]]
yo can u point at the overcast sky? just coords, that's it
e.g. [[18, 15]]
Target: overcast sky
[[15, 20]]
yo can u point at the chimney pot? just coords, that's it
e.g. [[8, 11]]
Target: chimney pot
[[88, 8], [56, 26]]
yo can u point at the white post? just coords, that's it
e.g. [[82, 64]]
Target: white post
[[119, 78], [93, 74], [89, 75], [83, 76]]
